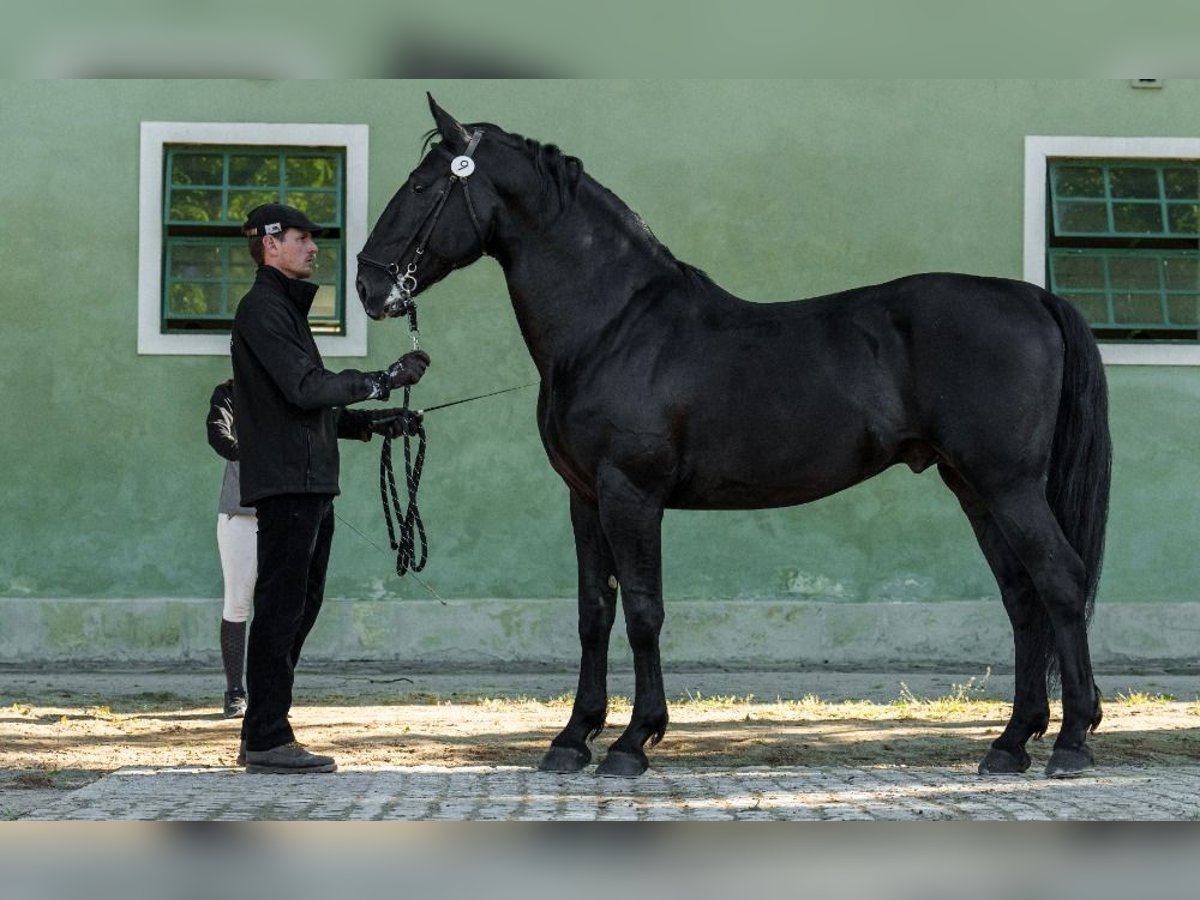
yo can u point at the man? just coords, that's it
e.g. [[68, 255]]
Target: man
[[290, 413]]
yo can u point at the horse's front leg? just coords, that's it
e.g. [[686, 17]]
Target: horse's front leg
[[632, 523], [597, 608]]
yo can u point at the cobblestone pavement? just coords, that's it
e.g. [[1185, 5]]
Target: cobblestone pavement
[[427, 793]]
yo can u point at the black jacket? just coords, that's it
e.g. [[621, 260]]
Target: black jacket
[[219, 422], [289, 406]]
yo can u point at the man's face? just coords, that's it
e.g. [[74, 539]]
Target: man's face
[[295, 253]]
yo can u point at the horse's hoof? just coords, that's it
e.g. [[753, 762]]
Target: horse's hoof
[[618, 764], [1066, 763], [1001, 762], [565, 760]]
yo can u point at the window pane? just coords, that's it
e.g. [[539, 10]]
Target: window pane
[[1182, 184], [324, 303], [1137, 218], [1137, 309], [191, 299], [191, 168], [1184, 218], [320, 207], [1182, 273], [1184, 309], [1093, 306], [241, 266], [1132, 273], [254, 170], [241, 202], [1140, 183], [1085, 218], [328, 261], [195, 206], [190, 261], [312, 171], [1078, 181], [237, 290], [1078, 272]]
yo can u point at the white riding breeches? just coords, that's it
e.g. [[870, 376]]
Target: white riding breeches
[[237, 539]]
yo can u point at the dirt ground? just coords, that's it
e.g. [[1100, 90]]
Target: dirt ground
[[60, 732]]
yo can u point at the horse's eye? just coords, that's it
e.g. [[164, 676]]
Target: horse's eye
[[417, 188]]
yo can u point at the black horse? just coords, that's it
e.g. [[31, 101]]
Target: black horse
[[661, 390]]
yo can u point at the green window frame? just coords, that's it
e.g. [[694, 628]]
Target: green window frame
[[207, 191], [1123, 244]]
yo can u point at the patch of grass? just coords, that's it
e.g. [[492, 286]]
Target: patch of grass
[[962, 698], [1140, 698], [721, 701]]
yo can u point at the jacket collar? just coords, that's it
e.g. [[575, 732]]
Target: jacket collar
[[301, 293]]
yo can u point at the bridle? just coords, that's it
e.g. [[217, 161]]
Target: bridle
[[400, 301], [410, 543]]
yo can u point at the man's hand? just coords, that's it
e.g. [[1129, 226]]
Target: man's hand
[[408, 369], [394, 423], [405, 371]]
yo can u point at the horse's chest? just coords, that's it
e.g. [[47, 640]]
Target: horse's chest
[[581, 436]]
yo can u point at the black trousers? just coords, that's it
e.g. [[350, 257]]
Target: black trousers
[[294, 535]]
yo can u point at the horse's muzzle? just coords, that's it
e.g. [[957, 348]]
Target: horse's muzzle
[[398, 302]]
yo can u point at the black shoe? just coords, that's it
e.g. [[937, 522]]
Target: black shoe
[[235, 704], [288, 759]]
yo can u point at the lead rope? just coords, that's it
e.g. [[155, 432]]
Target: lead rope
[[408, 521]]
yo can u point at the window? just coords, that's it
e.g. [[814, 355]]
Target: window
[[1122, 239], [198, 181], [208, 192], [1113, 225]]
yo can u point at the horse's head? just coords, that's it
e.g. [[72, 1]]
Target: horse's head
[[439, 220]]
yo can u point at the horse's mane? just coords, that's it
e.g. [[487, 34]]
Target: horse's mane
[[560, 176]]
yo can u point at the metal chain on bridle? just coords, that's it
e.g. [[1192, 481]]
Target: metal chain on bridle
[[411, 545]]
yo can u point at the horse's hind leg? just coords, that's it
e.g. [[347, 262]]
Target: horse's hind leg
[[597, 608], [1031, 707], [1023, 516]]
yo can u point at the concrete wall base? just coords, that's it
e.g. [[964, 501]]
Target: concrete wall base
[[483, 634]]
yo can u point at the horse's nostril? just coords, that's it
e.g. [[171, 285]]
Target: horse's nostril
[[361, 288]]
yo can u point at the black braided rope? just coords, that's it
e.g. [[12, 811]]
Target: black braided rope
[[408, 522]]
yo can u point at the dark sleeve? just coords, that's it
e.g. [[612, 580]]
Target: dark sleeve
[[270, 336], [221, 436], [354, 425]]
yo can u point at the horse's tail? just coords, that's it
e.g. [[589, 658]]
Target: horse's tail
[[1081, 460]]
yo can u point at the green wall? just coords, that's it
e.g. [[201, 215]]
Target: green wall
[[777, 189]]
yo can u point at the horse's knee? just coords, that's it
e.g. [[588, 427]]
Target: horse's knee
[[643, 623], [596, 626]]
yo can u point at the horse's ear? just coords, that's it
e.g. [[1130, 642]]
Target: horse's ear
[[448, 127]]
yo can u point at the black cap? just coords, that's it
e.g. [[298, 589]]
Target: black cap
[[275, 218]]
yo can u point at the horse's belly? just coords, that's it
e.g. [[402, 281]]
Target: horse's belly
[[751, 488]]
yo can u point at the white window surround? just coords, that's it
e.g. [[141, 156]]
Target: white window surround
[[1039, 149], [151, 340]]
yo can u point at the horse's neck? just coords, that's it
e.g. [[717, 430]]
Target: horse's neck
[[571, 279]]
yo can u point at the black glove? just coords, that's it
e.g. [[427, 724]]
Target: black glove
[[394, 423], [408, 369], [404, 372]]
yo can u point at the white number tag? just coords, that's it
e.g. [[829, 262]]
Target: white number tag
[[462, 166]]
